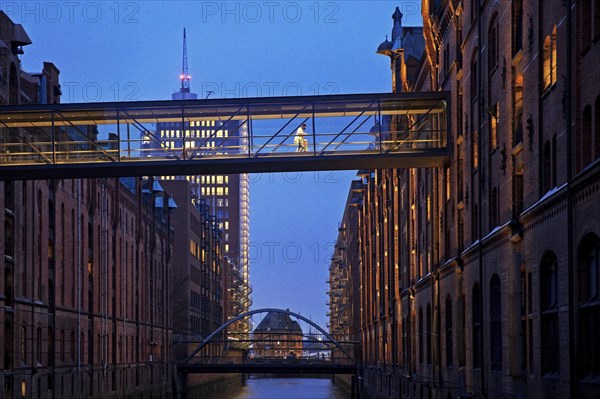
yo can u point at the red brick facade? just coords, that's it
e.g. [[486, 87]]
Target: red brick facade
[[86, 275], [481, 278]]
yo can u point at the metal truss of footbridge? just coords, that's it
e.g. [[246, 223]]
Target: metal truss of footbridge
[[223, 136]]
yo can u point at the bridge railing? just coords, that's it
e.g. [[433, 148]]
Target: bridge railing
[[217, 129]]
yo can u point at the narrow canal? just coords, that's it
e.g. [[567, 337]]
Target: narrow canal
[[285, 388]]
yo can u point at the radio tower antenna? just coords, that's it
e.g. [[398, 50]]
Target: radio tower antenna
[[184, 93], [185, 75]]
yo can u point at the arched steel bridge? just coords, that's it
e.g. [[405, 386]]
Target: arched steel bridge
[[333, 356], [223, 136]]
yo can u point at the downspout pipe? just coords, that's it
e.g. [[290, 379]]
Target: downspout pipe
[[569, 132], [480, 110]]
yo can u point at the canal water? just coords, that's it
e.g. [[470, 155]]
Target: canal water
[[285, 388]]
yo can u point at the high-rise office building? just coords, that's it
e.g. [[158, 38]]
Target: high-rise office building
[[227, 196]]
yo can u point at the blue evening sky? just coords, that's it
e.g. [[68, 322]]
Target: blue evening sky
[[131, 50]]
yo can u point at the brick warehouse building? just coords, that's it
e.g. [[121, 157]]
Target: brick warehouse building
[[85, 284], [482, 277], [199, 272]]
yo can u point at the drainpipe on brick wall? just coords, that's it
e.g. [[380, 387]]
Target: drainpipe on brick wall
[[479, 194], [568, 89]]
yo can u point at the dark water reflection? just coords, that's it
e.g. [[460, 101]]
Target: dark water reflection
[[285, 388]]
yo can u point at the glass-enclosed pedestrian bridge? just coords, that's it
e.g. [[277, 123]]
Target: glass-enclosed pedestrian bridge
[[223, 136]]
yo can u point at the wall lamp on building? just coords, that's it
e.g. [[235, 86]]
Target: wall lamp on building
[[530, 131], [503, 154], [459, 265], [516, 230], [412, 292]]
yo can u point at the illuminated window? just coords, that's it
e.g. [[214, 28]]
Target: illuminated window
[[550, 59], [428, 207], [448, 186], [494, 126]]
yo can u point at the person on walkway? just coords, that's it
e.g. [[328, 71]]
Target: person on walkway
[[299, 140]]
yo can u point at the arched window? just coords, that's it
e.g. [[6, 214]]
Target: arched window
[[549, 72], [428, 337], [589, 308], [421, 335], [449, 346], [549, 313], [495, 323], [476, 326]]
